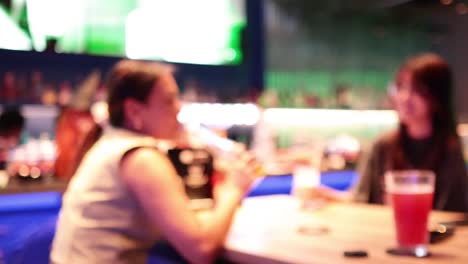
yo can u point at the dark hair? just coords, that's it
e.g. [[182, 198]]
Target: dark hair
[[432, 78], [127, 79], [130, 79], [11, 121]]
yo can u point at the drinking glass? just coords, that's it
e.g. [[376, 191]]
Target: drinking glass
[[410, 193]]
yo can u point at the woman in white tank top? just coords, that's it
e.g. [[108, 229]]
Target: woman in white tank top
[[126, 194]]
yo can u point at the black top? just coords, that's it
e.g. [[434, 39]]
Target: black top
[[451, 187]]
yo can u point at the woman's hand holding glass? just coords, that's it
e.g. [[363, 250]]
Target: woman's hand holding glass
[[237, 173]]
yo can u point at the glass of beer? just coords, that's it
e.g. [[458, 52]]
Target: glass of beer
[[410, 193]]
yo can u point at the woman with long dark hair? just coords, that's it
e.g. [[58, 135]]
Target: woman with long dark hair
[[426, 137]]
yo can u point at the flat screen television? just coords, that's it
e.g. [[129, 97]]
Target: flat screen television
[[184, 31]]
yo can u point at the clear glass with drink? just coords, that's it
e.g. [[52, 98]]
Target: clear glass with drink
[[410, 193], [306, 163]]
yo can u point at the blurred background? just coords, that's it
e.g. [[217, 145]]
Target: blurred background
[[316, 57], [297, 81]]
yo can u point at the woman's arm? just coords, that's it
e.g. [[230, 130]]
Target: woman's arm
[[360, 192], [370, 170], [152, 178]]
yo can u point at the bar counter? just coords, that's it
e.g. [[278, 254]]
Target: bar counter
[[48, 184], [273, 229]]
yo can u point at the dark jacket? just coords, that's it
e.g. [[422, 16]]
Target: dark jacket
[[451, 187]]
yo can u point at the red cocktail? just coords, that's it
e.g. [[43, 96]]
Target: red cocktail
[[411, 193], [411, 212]]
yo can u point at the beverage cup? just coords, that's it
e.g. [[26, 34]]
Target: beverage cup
[[410, 193]]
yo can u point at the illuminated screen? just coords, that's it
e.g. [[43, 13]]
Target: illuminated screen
[[185, 31]]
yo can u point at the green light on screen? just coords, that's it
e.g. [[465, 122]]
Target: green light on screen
[[187, 31], [196, 34]]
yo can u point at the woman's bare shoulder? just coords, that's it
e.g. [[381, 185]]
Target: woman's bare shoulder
[[146, 161]]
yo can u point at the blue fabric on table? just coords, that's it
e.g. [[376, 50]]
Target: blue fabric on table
[[281, 184], [30, 201], [339, 180], [27, 236], [278, 184], [27, 220]]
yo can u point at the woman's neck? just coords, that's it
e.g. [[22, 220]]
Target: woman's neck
[[420, 130]]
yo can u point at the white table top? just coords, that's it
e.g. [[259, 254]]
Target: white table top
[[272, 229]]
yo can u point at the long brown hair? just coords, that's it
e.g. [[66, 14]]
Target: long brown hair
[[432, 78]]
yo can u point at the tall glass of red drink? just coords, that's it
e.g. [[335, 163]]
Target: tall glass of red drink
[[410, 193]]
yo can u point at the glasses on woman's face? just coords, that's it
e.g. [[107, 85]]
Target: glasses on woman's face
[[403, 84], [391, 89], [398, 89]]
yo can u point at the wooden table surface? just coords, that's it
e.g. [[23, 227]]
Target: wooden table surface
[[272, 229]]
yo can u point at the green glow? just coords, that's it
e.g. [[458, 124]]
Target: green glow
[[201, 32], [289, 84], [12, 37], [192, 36]]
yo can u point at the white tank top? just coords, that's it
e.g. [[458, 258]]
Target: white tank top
[[100, 220]]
